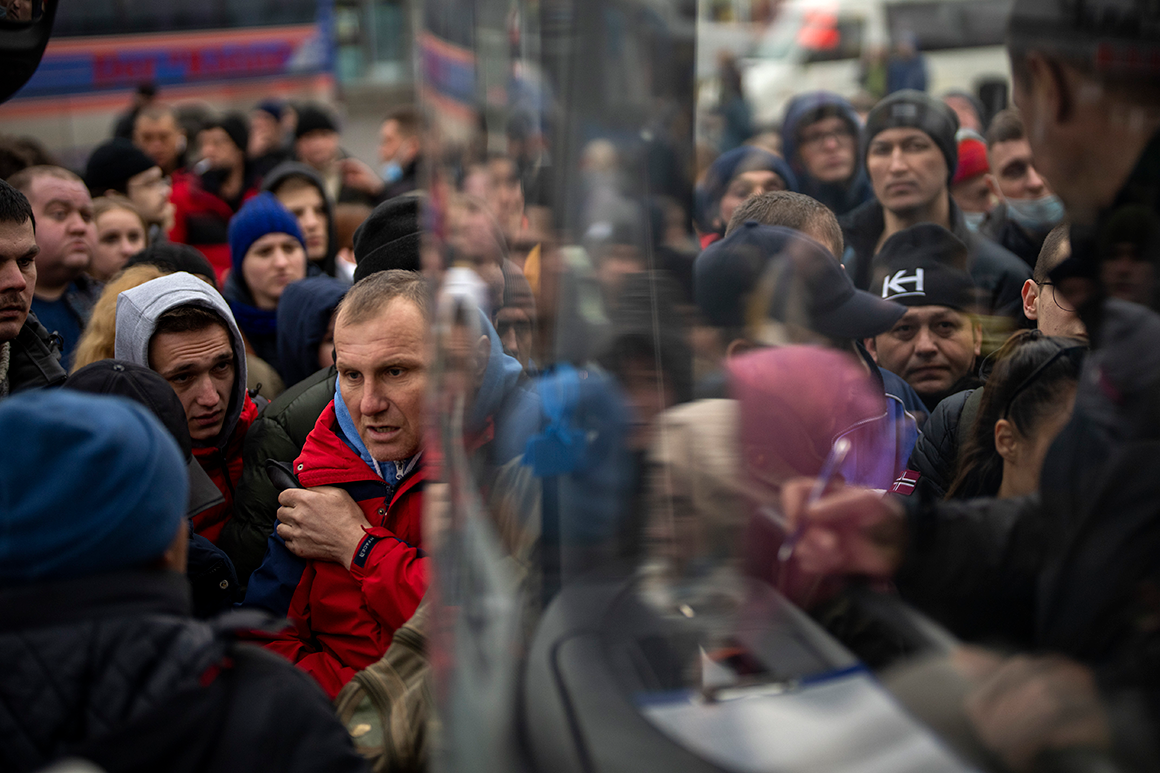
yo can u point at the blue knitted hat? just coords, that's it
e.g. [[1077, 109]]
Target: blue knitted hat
[[89, 484], [259, 216]]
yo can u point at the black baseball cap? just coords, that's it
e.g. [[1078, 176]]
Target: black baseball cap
[[800, 282], [138, 383]]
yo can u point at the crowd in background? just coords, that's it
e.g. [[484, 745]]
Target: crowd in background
[[891, 276]]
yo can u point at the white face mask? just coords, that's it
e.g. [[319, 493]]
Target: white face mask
[[974, 219], [1040, 214]]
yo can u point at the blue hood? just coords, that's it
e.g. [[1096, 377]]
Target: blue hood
[[840, 197], [503, 399], [722, 171], [303, 314]]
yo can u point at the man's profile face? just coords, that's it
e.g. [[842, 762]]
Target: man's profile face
[[17, 276], [906, 168], [150, 191], [382, 377], [1014, 172], [306, 204], [390, 141], [827, 149], [931, 347], [160, 139], [65, 230], [264, 133], [201, 368], [513, 324], [973, 195]]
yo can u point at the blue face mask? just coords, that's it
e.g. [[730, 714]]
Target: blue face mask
[[391, 172], [1040, 214], [974, 219]]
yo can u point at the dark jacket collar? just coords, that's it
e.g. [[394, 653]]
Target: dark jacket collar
[[116, 594], [35, 360]]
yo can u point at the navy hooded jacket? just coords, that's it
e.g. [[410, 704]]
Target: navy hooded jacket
[[839, 197], [303, 315]]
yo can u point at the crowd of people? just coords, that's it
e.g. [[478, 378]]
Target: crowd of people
[[223, 360]]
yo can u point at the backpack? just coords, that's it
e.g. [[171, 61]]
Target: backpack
[[388, 707]]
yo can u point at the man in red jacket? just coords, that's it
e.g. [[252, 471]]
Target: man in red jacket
[[346, 565]]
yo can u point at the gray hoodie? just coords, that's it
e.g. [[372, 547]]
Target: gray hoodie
[[139, 308]]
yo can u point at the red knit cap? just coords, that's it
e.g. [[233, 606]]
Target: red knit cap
[[972, 160]]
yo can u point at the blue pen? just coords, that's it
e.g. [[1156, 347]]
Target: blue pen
[[834, 461]]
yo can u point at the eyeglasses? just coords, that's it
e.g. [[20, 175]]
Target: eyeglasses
[[820, 137], [1055, 296], [1074, 353]]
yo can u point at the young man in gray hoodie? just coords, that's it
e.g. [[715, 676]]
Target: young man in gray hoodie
[[180, 327]]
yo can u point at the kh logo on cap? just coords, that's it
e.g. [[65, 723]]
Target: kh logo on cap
[[894, 286]]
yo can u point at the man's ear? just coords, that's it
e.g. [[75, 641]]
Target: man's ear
[[993, 185], [482, 355], [1031, 300], [871, 345], [1006, 443], [977, 334]]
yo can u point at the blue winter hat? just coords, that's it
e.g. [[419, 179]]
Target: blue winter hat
[[94, 484], [259, 216], [722, 171]]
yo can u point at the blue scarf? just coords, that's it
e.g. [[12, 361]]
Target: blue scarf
[[254, 321], [349, 434]]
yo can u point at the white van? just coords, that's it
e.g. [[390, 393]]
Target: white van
[[818, 44]]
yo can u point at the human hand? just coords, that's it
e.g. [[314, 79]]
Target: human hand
[[356, 174], [849, 531], [324, 523], [1023, 706]]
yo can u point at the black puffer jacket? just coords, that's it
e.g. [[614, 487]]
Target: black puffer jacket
[[279, 433], [112, 669], [35, 358], [935, 455]]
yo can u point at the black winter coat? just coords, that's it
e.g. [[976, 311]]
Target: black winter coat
[[996, 271], [112, 669], [279, 433], [1074, 569], [34, 359]]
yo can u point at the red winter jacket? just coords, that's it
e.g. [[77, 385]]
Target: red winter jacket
[[202, 220], [344, 617], [224, 467]]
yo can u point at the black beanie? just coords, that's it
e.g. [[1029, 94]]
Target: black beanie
[[313, 118], [235, 126], [915, 109], [112, 164], [390, 238], [924, 265], [171, 256]]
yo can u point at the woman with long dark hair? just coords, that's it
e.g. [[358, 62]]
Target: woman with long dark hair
[[1027, 400]]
